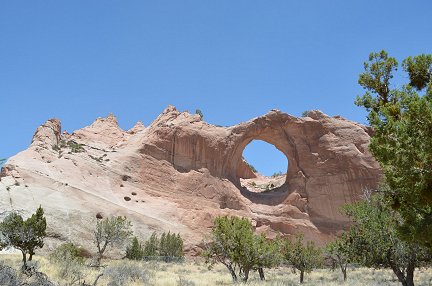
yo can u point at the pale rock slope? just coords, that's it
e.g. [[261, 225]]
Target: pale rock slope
[[180, 172]]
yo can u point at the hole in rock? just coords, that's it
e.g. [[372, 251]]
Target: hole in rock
[[268, 164]]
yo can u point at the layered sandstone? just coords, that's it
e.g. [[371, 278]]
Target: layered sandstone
[[180, 172]]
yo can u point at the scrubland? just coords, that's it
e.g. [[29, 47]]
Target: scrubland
[[195, 272]]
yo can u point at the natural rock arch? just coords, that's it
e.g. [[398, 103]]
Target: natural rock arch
[[330, 164], [185, 172]]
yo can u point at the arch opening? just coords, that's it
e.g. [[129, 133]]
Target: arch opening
[[263, 168]]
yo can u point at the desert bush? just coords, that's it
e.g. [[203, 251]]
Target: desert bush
[[124, 273], [70, 264], [8, 276]]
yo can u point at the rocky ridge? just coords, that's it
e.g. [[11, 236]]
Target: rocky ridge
[[180, 172]]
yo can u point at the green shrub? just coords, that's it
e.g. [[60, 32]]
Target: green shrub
[[135, 250]]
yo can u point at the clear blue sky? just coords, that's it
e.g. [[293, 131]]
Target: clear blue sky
[[234, 60]]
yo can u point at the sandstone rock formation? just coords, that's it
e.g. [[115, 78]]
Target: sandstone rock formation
[[180, 172]]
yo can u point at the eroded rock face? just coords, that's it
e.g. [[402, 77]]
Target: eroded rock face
[[180, 172]]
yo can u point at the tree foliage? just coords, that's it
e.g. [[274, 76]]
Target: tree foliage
[[111, 232], [374, 241], [233, 243], [302, 256], [25, 235], [402, 144]]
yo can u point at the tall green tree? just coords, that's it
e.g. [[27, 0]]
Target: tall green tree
[[374, 241], [25, 235], [402, 141], [302, 256]]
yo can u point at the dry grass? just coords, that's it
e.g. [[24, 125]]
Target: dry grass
[[196, 273]]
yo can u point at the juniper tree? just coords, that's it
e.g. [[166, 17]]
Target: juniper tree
[[24, 235], [135, 250], [401, 143]]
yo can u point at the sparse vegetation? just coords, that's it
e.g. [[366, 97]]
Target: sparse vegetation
[[251, 167], [72, 145], [199, 112], [305, 113], [277, 174]]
